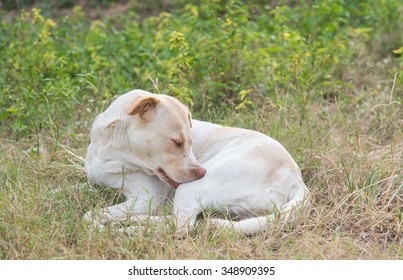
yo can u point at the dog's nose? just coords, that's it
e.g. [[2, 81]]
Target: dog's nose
[[200, 172]]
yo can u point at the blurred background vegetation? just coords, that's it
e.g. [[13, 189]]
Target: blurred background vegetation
[[62, 61]]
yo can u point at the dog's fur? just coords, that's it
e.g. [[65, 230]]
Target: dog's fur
[[148, 146]]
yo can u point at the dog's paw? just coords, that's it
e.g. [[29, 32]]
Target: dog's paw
[[92, 218], [95, 228], [183, 230], [221, 223], [134, 230], [93, 222], [88, 217]]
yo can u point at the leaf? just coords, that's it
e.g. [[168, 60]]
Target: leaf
[[398, 51], [363, 30], [13, 110], [244, 93]]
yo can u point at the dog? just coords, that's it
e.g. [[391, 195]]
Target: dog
[[148, 146]]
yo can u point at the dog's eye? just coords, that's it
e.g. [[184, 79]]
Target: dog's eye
[[177, 143]]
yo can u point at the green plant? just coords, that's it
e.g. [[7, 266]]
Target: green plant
[[179, 69], [63, 68]]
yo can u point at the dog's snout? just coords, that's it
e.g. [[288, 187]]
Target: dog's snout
[[200, 171]]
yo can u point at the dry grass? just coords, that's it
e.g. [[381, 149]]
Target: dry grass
[[353, 169]]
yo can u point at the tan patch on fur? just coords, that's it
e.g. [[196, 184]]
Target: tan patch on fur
[[276, 161]]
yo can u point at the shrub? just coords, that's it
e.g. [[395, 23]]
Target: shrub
[[58, 73]]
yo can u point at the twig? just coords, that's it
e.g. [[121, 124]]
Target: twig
[[155, 83], [390, 98]]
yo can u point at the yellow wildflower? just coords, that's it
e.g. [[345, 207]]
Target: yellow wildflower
[[37, 15], [50, 23]]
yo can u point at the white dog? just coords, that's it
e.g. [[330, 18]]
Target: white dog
[[148, 146]]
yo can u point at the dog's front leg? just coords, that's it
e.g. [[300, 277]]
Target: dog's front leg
[[186, 209], [120, 212], [185, 221]]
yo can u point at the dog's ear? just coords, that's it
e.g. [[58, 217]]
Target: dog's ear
[[145, 107]]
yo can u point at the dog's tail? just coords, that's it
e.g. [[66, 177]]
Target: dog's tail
[[292, 211]]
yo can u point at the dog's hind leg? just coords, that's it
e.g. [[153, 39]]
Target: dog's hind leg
[[245, 226], [291, 211]]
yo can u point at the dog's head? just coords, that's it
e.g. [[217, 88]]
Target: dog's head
[[159, 135]]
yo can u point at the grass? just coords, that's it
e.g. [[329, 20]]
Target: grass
[[354, 174], [336, 105]]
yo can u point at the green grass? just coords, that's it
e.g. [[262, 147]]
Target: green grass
[[315, 83]]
